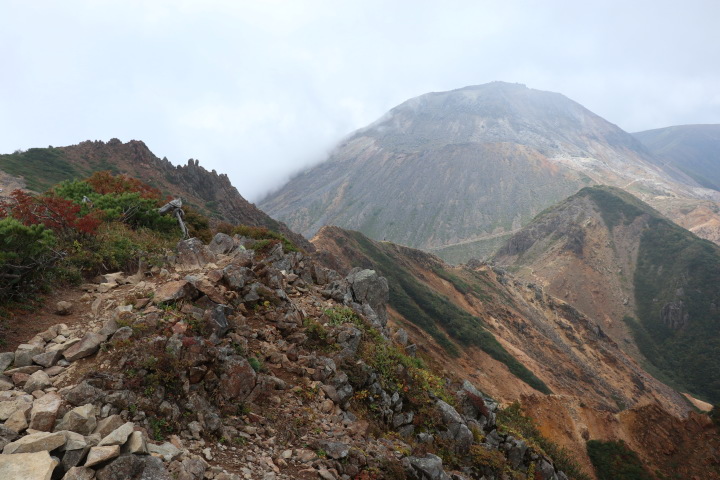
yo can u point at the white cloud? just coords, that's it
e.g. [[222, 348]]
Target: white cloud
[[261, 89]]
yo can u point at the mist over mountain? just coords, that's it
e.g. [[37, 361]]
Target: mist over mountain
[[692, 149], [457, 172]]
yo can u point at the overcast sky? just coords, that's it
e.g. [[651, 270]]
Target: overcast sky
[[261, 89]]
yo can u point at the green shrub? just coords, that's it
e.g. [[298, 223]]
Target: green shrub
[[26, 253], [615, 461]]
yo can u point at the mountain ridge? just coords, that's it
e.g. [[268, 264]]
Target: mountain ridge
[[451, 172]]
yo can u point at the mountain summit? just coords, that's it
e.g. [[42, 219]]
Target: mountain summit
[[456, 172]]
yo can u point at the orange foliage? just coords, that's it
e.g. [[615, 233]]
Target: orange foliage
[[105, 183], [56, 213]]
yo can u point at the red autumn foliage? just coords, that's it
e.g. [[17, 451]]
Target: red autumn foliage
[[56, 213], [105, 183]]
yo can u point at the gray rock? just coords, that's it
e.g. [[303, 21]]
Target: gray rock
[[82, 394], [110, 326], [6, 359], [25, 352], [401, 337], [44, 412], [5, 384], [122, 334], [79, 473], [7, 435], [9, 407], [48, 359], [221, 244], [192, 253], [124, 467], [27, 466], [428, 467], [136, 444], [335, 450], [545, 469], [108, 425], [118, 436], [99, 455], [516, 453], [236, 276], [36, 442], [18, 421], [216, 321], [367, 287], [80, 419], [74, 440], [493, 439], [457, 430], [37, 381], [174, 291], [167, 451], [155, 470], [73, 458], [63, 308], [238, 379], [87, 346]]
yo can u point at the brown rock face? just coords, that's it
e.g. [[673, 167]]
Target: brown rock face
[[238, 380]]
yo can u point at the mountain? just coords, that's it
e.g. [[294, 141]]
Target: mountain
[[598, 392], [692, 149], [456, 172], [209, 192], [634, 271]]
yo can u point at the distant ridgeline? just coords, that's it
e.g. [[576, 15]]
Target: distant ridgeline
[[207, 191]]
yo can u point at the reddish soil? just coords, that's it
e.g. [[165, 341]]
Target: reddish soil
[[21, 326]]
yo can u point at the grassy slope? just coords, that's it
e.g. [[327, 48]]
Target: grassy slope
[[438, 316], [673, 265], [41, 167]]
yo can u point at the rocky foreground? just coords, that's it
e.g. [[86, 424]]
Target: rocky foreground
[[237, 360]]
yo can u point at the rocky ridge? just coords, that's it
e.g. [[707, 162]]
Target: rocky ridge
[[232, 363]]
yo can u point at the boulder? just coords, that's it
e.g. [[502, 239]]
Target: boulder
[[36, 442], [27, 466], [216, 321], [125, 466], [122, 334], [18, 421], [8, 407], [221, 244], [457, 430], [63, 308], [192, 253], [5, 384], [238, 379], [49, 358], [7, 435], [428, 467], [25, 352], [108, 425], [80, 419], [367, 287], [87, 346], [37, 381], [167, 451], [44, 412], [136, 444], [98, 455], [6, 359], [174, 291], [236, 276], [118, 436], [82, 394], [74, 440], [79, 473]]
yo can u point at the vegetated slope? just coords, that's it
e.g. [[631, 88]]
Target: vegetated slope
[[210, 192], [453, 172], [558, 344], [619, 259], [594, 383], [692, 149]]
